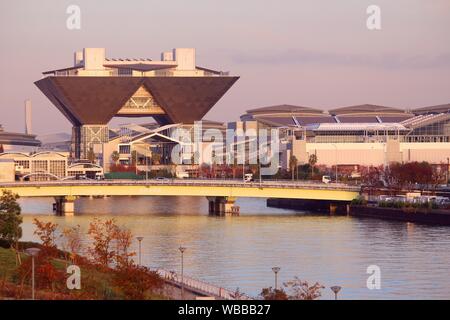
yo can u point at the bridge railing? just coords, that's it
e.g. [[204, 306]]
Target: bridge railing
[[192, 182], [200, 286]]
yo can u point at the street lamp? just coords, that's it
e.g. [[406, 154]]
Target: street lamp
[[336, 290], [448, 169], [140, 240], [276, 270], [335, 160], [32, 252], [182, 249]]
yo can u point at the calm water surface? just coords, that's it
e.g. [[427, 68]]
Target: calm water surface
[[240, 251]]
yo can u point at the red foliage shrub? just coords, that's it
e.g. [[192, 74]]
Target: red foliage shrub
[[135, 281]]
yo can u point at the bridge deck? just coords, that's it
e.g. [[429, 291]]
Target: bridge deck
[[174, 187]]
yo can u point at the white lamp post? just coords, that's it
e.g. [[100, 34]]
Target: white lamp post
[[276, 270], [32, 252], [336, 290], [140, 241], [182, 249]]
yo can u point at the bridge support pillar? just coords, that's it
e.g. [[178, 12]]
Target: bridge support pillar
[[222, 206], [333, 208], [64, 206]]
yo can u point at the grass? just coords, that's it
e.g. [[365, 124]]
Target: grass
[[7, 264]]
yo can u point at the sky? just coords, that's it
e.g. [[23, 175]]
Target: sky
[[316, 53]]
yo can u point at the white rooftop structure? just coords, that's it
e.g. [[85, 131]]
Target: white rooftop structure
[[357, 127]]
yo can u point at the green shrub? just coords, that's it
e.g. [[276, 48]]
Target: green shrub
[[360, 200]]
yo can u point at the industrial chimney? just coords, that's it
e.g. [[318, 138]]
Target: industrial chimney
[[28, 116]]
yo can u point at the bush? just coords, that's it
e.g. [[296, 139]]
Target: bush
[[273, 294], [136, 281], [360, 200]]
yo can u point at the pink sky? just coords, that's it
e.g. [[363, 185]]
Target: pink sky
[[315, 53]]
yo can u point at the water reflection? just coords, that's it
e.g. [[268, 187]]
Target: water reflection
[[240, 251]]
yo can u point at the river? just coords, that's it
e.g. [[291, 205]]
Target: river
[[241, 251]]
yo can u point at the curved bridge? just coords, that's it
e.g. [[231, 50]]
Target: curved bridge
[[222, 192]]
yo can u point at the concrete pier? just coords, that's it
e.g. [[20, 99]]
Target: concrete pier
[[64, 206], [222, 206], [320, 206]]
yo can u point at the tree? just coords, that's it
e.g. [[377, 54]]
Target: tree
[[135, 281], [91, 155], [237, 294], [102, 234], [46, 233], [273, 294], [10, 221], [134, 156], [293, 163], [408, 175], [195, 158], [115, 156], [123, 239], [156, 158], [301, 290], [439, 175], [106, 236], [312, 162], [73, 242]]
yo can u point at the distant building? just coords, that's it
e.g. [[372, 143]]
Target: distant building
[[149, 146], [6, 170], [358, 135], [44, 166], [57, 142], [14, 141], [96, 89]]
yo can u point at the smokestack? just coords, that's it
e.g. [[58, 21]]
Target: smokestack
[[28, 116]]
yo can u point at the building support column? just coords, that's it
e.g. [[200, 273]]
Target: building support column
[[222, 206], [64, 205]]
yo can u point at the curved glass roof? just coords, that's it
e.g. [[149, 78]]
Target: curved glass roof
[[365, 109], [284, 108]]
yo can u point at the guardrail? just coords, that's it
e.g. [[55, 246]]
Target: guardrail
[[189, 182], [200, 287]]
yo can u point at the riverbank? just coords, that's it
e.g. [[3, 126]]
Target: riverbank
[[417, 215], [96, 283], [315, 206]]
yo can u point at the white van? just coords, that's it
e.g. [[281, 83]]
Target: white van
[[182, 174], [326, 179]]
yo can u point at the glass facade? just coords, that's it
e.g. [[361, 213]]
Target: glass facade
[[58, 168], [23, 163], [357, 136], [86, 137], [434, 132]]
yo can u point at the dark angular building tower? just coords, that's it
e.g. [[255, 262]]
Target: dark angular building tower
[[96, 89]]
